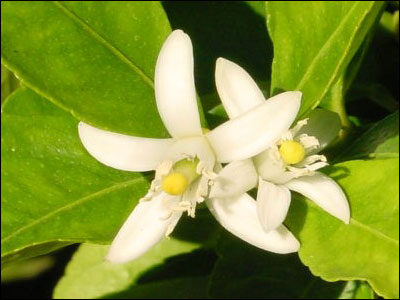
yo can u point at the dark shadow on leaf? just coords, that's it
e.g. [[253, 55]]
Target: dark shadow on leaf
[[246, 272], [297, 214], [179, 277], [337, 173], [197, 263], [202, 229]]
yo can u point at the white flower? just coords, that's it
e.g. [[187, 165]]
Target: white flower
[[185, 164], [290, 163]]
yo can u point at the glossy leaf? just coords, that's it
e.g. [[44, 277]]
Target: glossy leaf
[[368, 248], [314, 42], [94, 59], [53, 192]]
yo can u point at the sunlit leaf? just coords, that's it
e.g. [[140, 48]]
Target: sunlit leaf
[[95, 59], [314, 42], [53, 192], [367, 248]]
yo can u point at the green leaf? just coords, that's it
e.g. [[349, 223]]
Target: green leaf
[[245, 272], [52, 192], [357, 290], [88, 276], [367, 248], [380, 140], [314, 42], [95, 59], [8, 83], [26, 270]]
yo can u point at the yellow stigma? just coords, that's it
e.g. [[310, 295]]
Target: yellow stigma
[[175, 183], [205, 130], [292, 152]]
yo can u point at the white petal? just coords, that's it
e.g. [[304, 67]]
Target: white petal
[[323, 191], [256, 129], [144, 228], [235, 179], [123, 152], [192, 147], [174, 86], [269, 164], [237, 90], [324, 125], [239, 216], [273, 203]]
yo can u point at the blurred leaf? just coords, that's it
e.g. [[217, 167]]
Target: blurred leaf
[[357, 290], [8, 83], [245, 272], [377, 80], [314, 42], [88, 276], [380, 140], [95, 59], [52, 192], [334, 99], [377, 93], [27, 269], [368, 248], [390, 23], [234, 30]]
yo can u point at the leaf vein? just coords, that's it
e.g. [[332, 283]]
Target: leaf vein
[[306, 76], [70, 205], [374, 232], [117, 52]]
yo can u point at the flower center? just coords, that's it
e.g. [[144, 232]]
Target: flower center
[[175, 183], [182, 175], [292, 152]]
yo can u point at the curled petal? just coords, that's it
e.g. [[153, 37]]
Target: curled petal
[[255, 130], [235, 179], [237, 90], [325, 192], [174, 86], [269, 164], [192, 147], [123, 152], [147, 225], [273, 203], [239, 216]]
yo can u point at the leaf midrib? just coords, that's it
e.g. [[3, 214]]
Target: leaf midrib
[[327, 45], [307, 74], [374, 232], [96, 35], [69, 206]]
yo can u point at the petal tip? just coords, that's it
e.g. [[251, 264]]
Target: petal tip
[[113, 258]]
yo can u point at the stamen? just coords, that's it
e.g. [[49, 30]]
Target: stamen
[[292, 152]]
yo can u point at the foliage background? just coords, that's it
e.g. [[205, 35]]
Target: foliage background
[[73, 57]]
